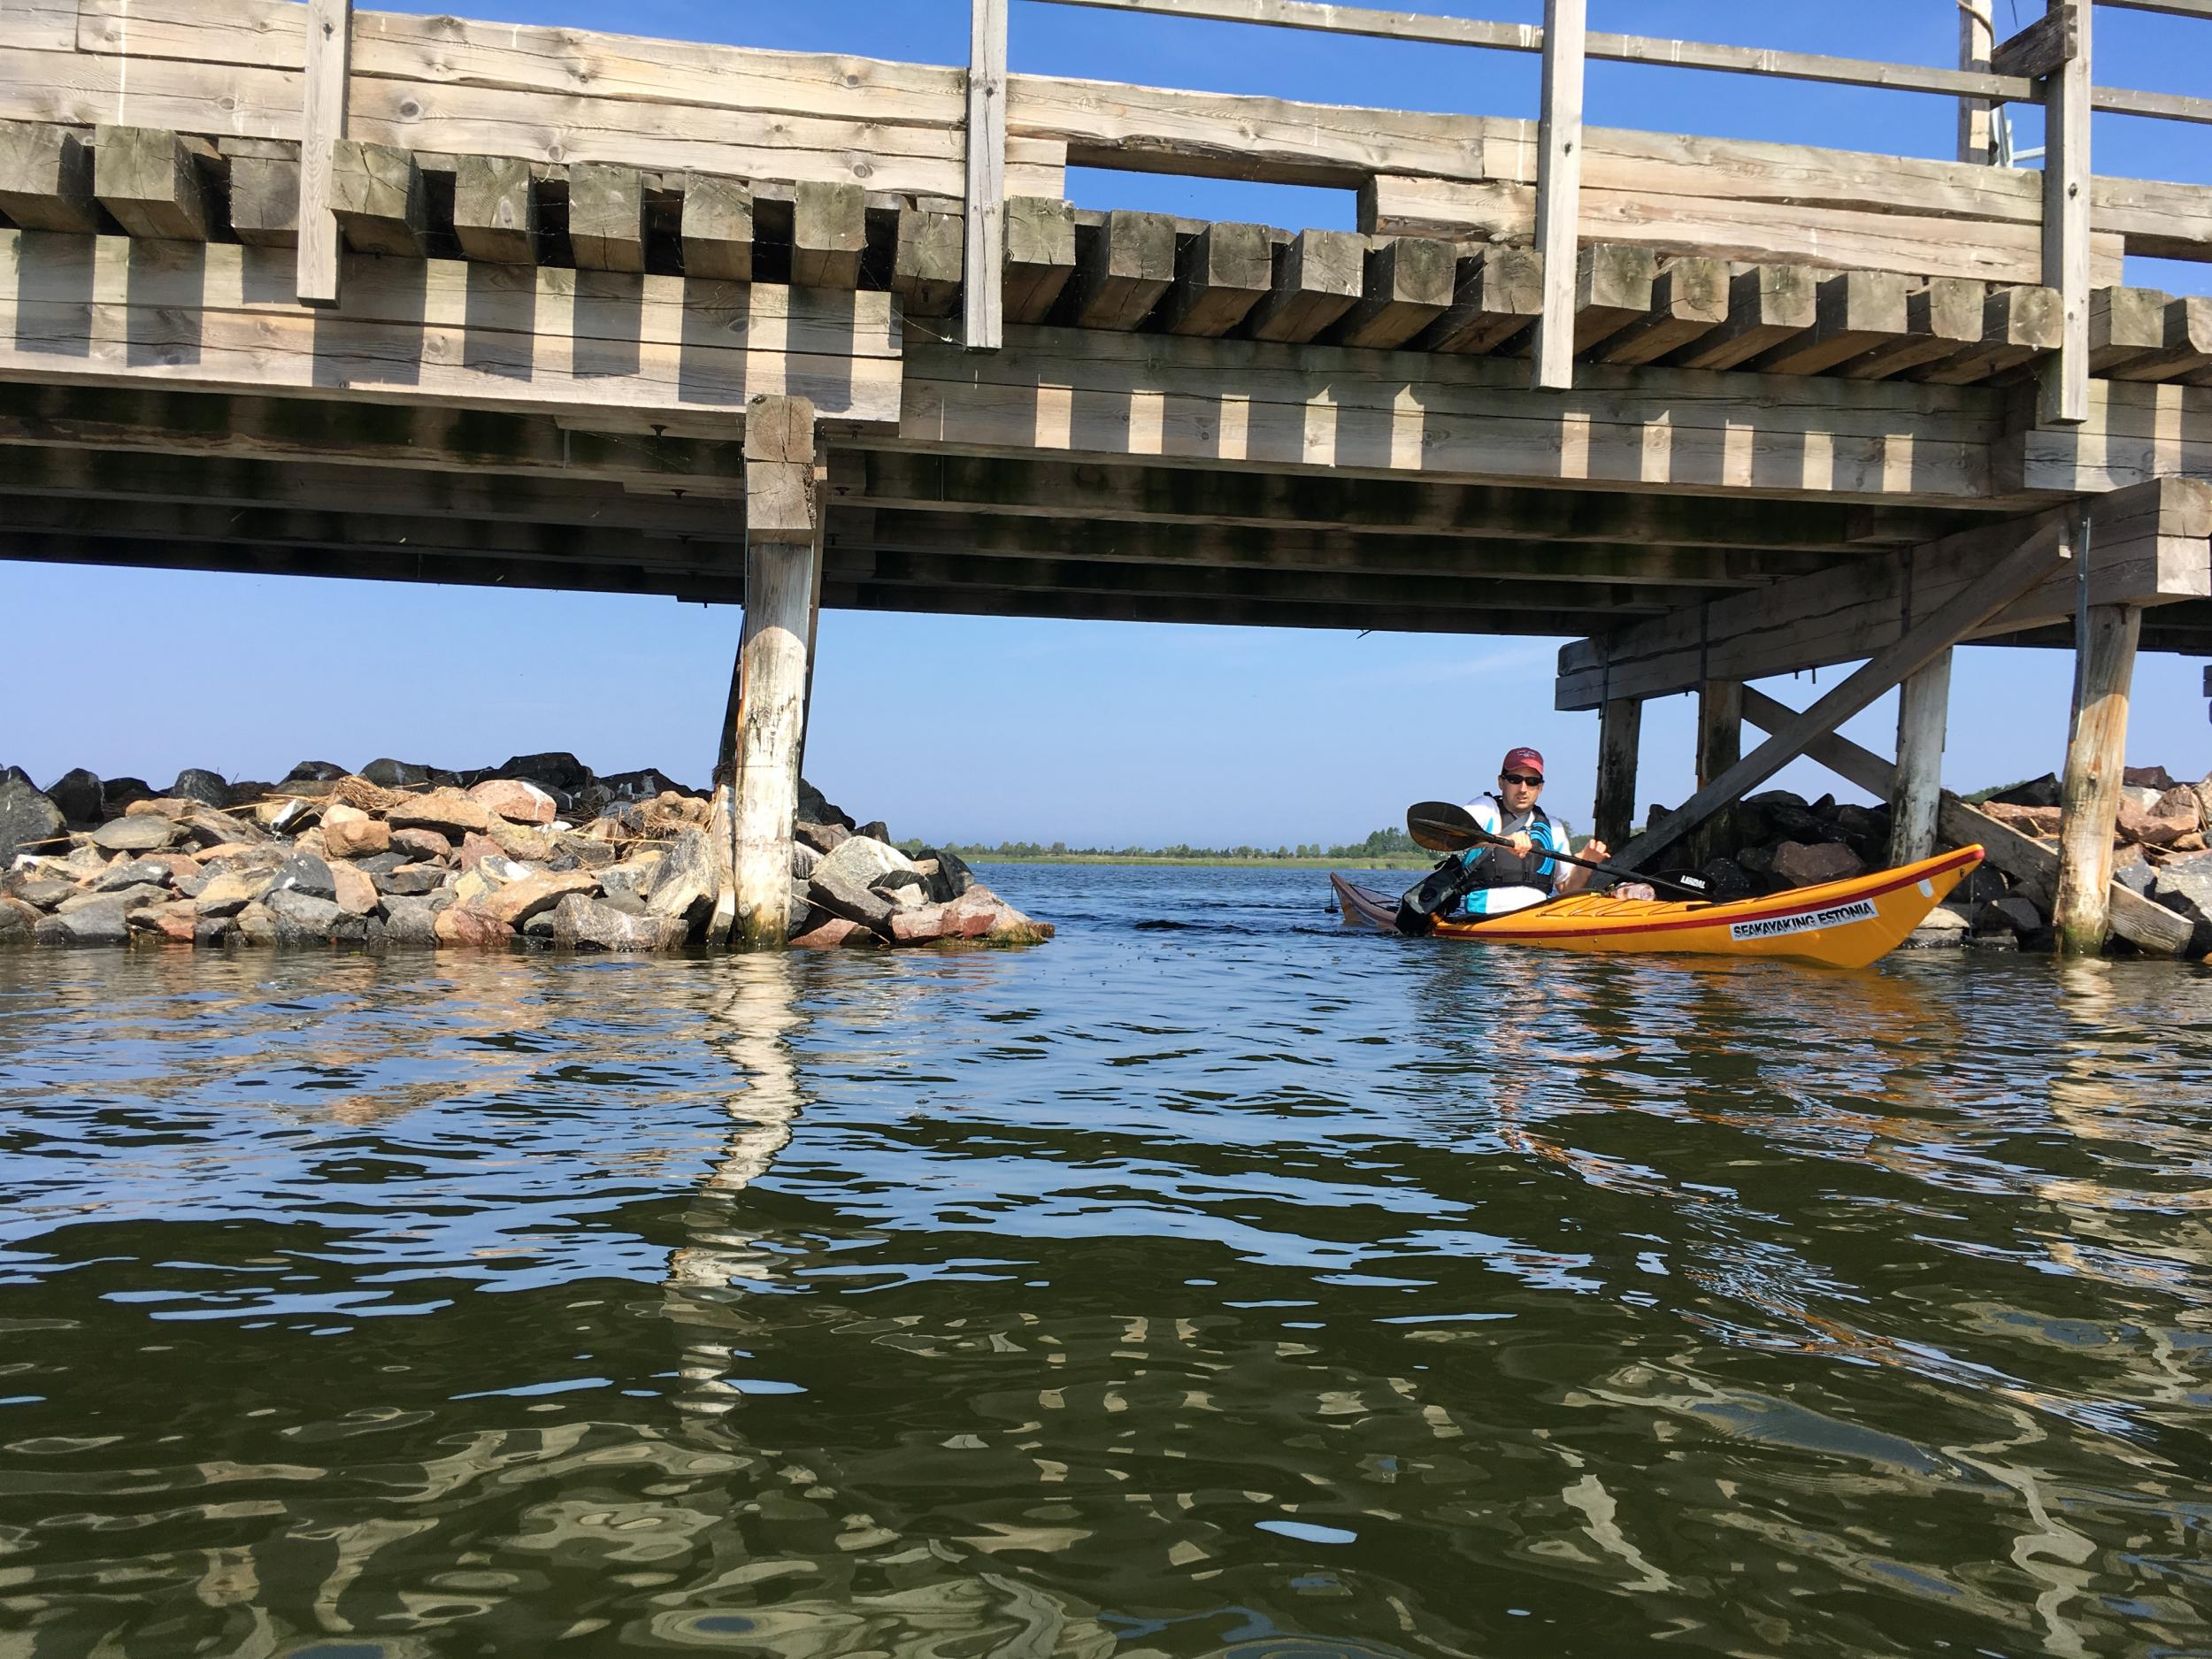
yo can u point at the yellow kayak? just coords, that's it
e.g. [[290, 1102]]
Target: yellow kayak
[[1838, 924]]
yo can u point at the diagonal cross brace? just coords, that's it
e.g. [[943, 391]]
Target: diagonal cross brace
[[2027, 565]]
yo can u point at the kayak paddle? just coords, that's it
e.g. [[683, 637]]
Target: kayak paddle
[[1443, 827]]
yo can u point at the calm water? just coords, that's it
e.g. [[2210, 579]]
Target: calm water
[[1242, 1285]]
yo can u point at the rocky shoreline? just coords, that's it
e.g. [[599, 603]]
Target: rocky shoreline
[[537, 852], [1775, 841]]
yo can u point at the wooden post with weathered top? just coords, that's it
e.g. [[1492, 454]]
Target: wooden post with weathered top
[[1620, 733], [1719, 747], [1924, 712], [2089, 794], [767, 721]]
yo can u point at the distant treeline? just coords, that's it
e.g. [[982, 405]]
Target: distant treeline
[[1383, 843]]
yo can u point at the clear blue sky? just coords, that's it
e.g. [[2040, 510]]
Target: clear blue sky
[[979, 729]]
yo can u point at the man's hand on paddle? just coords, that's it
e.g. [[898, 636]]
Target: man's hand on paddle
[[1595, 849], [1520, 842]]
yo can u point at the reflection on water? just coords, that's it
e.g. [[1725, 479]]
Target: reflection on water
[[1256, 1287]]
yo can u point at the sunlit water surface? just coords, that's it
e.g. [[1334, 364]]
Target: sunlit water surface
[[1212, 1280]]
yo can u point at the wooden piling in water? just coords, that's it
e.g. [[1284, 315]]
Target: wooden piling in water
[[1924, 712], [2089, 794]]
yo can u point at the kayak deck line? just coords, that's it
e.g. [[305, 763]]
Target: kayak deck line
[[1838, 924]]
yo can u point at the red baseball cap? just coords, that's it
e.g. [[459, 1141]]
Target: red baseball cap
[[1522, 760]]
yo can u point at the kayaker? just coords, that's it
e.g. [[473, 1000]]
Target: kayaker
[[1510, 880]]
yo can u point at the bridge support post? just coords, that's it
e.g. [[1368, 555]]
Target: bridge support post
[[1620, 732], [757, 785], [1719, 747], [1924, 711], [2089, 796]]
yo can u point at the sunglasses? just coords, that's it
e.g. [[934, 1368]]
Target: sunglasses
[[1521, 777]]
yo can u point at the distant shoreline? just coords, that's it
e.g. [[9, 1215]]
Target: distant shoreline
[[1396, 861]]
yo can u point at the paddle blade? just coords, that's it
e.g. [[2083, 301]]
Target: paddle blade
[[1442, 827]]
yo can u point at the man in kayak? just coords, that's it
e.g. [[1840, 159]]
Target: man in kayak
[[1521, 874]]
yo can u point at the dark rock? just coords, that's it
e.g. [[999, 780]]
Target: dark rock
[[2136, 877], [823, 837], [815, 807], [1756, 861], [641, 786], [954, 877], [44, 892], [2184, 886], [555, 770], [133, 872], [1808, 864], [254, 925], [212, 931], [2011, 914], [304, 919], [247, 791], [1825, 807], [315, 771], [1776, 797], [380, 864], [410, 922], [19, 922], [874, 831], [893, 882], [1981, 884], [803, 858], [117, 793], [834, 933], [841, 892], [1792, 823], [683, 887], [583, 922], [2147, 778], [587, 850], [388, 773], [196, 783], [1749, 826], [411, 880], [2035, 792], [422, 845], [622, 899], [28, 820], [145, 833], [1863, 823], [1726, 880], [105, 921], [77, 794], [306, 874], [1944, 928]]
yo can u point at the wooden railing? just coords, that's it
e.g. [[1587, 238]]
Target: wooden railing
[[2047, 63]]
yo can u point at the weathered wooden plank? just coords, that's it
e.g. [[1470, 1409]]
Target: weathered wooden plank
[[326, 57], [1689, 299], [2136, 432], [2048, 44], [2151, 925], [1317, 277], [718, 227], [147, 179], [606, 217], [984, 229], [1942, 316], [2185, 344], [2018, 325], [265, 197], [495, 210], [2063, 380], [1409, 283], [2125, 324], [1040, 257], [925, 268], [376, 195], [1856, 311], [1992, 589], [1613, 288], [829, 233], [1220, 274], [1225, 402], [1560, 333], [1211, 612], [1128, 263], [1499, 294], [47, 26], [1767, 306], [46, 177]]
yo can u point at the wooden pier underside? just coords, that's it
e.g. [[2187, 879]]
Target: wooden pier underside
[[570, 259]]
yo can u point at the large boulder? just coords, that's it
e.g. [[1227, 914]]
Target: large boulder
[[173, 923], [2028, 820], [823, 836], [133, 872], [386, 773], [979, 914], [515, 799], [641, 784], [2013, 915], [466, 924], [2035, 792], [2184, 886], [356, 888], [583, 923], [450, 812], [1808, 864], [518, 901], [2146, 778], [139, 833], [305, 873], [863, 860], [315, 771], [683, 887], [836, 891], [953, 877], [422, 846], [349, 833], [2150, 828], [306, 919], [410, 922], [77, 792], [411, 880], [197, 783], [1943, 928], [105, 921], [19, 922], [2183, 801], [229, 891], [836, 932], [556, 770]]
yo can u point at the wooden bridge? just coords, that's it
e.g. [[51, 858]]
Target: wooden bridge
[[298, 289]]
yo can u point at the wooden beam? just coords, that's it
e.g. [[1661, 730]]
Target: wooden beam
[[2018, 325], [718, 229], [376, 195], [1923, 714], [606, 217], [1500, 295], [1719, 747], [46, 177], [781, 524], [2062, 386], [2148, 548], [1620, 735], [986, 228], [148, 179], [1975, 114], [925, 266], [2028, 564], [1207, 612], [1857, 312], [1689, 299], [1559, 191], [1220, 274], [2184, 349], [495, 210], [1128, 263], [2134, 917], [2089, 792], [1317, 277], [1410, 282], [1612, 289], [1943, 315], [2044, 46], [323, 127], [264, 192], [1039, 257], [829, 233], [2125, 324], [1767, 304]]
